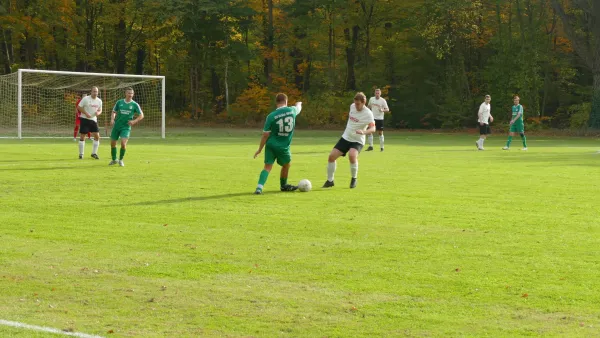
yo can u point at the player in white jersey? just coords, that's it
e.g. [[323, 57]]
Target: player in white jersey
[[484, 117], [90, 108], [379, 107], [360, 123]]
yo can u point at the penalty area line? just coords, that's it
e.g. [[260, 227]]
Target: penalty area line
[[45, 329]]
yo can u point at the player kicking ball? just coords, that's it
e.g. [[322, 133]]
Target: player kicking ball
[[516, 124], [122, 119], [484, 119], [276, 140], [90, 108], [360, 123], [379, 107]]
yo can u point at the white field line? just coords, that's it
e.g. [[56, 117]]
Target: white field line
[[45, 329]]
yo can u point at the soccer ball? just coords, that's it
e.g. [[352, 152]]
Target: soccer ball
[[304, 185]]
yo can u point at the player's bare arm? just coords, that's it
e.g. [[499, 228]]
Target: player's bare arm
[[137, 119], [99, 111], [263, 141], [370, 130], [81, 110], [516, 118], [299, 106], [112, 118]]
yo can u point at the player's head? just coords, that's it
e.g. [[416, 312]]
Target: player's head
[[281, 99], [516, 99], [377, 93], [129, 93], [359, 100], [94, 92], [488, 99]]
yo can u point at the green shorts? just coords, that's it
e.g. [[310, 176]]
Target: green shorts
[[517, 128], [282, 155], [122, 132]]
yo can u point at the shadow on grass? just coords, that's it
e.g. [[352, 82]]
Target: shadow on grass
[[213, 197], [41, 168]]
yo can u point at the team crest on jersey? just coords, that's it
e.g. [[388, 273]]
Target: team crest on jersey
[[354, 119], [130, 107]]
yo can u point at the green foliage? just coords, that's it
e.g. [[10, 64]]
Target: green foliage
[[579, 115]]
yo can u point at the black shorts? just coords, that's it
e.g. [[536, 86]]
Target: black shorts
[[485, 129], [88, 126], [378, 124], [344, 146]]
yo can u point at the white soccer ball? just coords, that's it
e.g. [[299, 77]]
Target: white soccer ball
[[304, 185]]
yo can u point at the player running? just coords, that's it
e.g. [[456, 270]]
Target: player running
[[78, 119], [516, 124], [360, 123], [484, 117], [379, 107], [122, 119], [276, 140], [90, 108]]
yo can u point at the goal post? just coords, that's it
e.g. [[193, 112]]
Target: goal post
[[41, 103]]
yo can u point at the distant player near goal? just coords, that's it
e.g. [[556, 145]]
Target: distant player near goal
[[379, 107], [90, 108], [360, 123], [78, 119], [276, 140], [516, 124], [122, 119], [484, 117]]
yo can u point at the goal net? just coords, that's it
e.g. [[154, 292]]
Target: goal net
[[39, 103]]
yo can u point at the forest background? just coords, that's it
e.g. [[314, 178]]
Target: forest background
[[224, 60]]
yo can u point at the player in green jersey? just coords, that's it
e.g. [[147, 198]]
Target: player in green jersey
[[516, 124], [276, 140], [122, 119]]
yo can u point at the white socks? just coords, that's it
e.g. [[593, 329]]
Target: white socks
[[370, 140], [95, 147], [481, 140], [81, 147], [380, 141], [331, 170], [354, 169]]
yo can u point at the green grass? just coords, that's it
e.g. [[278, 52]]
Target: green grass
[[437, 240]]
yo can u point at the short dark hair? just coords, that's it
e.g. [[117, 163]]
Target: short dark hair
[[128, 89], [281, 98], [360, 96]]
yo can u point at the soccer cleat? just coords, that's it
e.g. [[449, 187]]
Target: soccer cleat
[[525, 149], [95, 156], [121, 164], [381, 149], [289, 187], [369, 149], [477, 145], [353, 183], [328, 184], [113, 162], [258, 192], [81, 156], [505, 148], [75, 139]]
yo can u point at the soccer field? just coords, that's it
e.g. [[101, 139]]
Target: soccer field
[[438, 239]]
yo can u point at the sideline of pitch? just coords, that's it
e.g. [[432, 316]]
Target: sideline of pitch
[[45, 329]]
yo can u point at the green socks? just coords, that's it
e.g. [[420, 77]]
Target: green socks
[[262, 179], [113, 153], [121, 153], [282, 181], [509, 141], [524, 139]]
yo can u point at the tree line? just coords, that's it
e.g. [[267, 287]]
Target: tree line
[[224, 59]]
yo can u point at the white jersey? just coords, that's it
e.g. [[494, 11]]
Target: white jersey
[[357, 120], [485, 110], [90, 106], [377, 112]]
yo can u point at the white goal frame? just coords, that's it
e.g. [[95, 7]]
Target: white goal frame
[[20, 91]]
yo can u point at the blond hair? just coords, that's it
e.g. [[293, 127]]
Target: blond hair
[[360, 96]]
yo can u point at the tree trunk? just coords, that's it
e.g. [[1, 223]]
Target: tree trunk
[[269, 37], [6, 48], [351, 42], [594, 121], [141, 58], [226, 85]]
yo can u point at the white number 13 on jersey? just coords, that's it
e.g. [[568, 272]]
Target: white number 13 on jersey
[[286, 125]]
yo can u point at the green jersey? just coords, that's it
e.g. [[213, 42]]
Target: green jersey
[[515, 111], [281, 124], [126, 112]]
